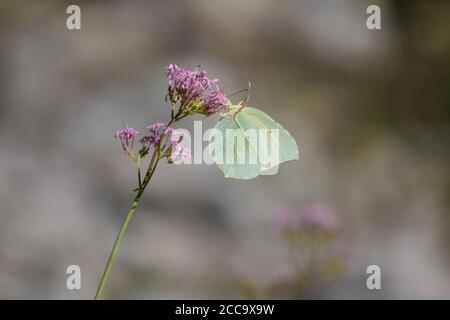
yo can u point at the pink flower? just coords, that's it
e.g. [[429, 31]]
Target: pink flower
[[320, 216], [126, 137], [287, 219], [156, 131], [180, 152], [194, 85], [314, 216], [174, 136], [215, 102]]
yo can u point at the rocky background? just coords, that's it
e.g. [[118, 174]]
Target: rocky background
[[369, 109]]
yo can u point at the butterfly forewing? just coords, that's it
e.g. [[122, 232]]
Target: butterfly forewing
[[231, 151]]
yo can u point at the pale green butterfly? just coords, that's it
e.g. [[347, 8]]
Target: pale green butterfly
[[258, 144]]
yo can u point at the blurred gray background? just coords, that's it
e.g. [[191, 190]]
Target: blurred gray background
[[369, 110]]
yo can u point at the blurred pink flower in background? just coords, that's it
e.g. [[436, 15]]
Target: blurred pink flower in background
[[287, 219], [316, 215], [320, 216], [316, 254]]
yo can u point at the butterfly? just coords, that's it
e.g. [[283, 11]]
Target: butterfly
[[249, 143]]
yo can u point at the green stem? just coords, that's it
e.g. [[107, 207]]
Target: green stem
[[134, 204], [116, 247], [151, 169]]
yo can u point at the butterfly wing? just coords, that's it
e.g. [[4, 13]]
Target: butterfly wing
[[279, 146], [242, 152], [228, 151]]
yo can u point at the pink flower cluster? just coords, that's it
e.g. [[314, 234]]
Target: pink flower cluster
[[320, 216], [157, 130], [315, 216], [195, 86], [179, 151], [126, 137]]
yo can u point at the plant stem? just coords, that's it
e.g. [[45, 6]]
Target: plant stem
[[151, 169], [116, 247], [134, 204]]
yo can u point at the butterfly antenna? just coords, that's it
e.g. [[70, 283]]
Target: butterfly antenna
[[237, 92], [249, 91]]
